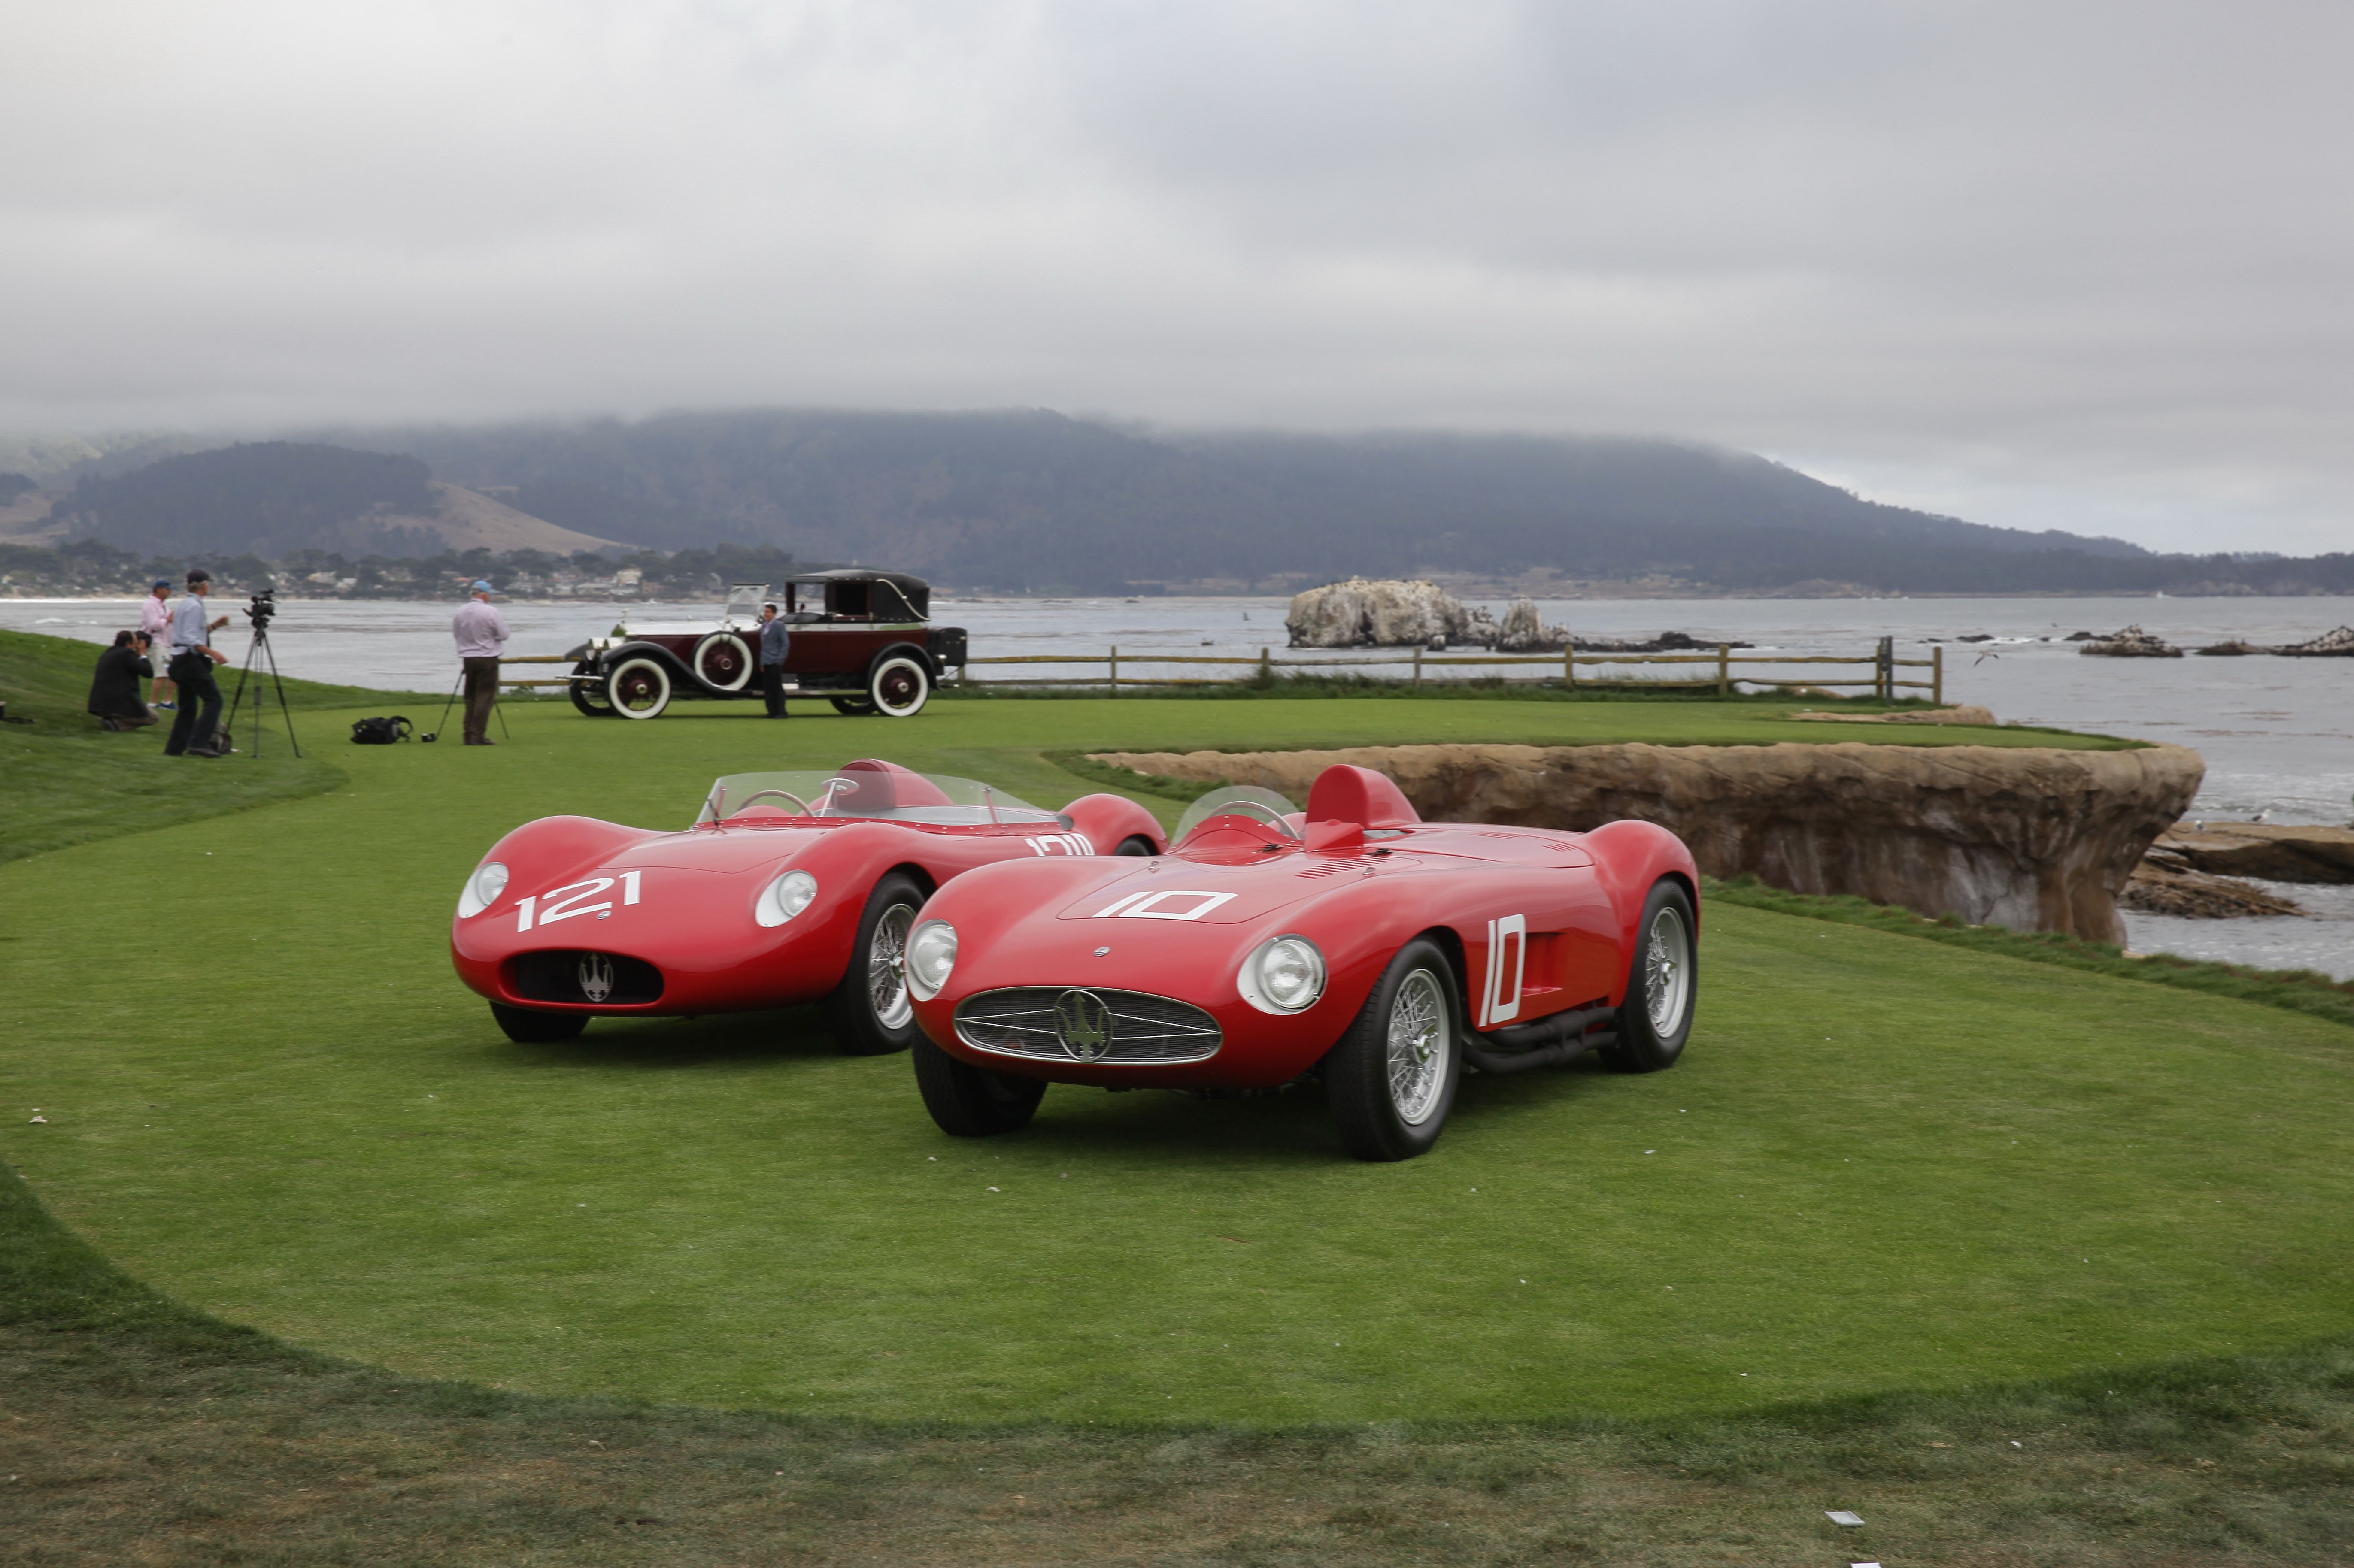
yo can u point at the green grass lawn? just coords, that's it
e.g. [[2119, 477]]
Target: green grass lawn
[[1870, 1172]]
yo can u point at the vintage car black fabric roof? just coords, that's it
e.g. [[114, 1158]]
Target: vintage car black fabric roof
[[903, 581]]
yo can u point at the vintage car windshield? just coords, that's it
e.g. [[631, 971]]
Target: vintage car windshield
[[873, 796], [1262, 808]]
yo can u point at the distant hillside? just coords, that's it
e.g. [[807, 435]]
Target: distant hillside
[[1028, 500], [274, 498]]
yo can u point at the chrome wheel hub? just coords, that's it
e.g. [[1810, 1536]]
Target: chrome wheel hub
[[886, 966], [1417, 1047], [1667, 971]]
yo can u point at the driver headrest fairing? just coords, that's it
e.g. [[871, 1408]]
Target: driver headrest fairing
[[1346, 793]]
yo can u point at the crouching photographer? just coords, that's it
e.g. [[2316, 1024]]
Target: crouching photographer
[[191, 671]]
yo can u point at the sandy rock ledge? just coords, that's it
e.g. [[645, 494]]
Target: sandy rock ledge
[[2033, 838]]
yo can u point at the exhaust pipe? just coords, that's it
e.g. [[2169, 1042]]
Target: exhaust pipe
[[1547, 1043]]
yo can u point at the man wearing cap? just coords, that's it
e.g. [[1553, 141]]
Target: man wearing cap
[[155, 625], [481, 632], [191, 668]]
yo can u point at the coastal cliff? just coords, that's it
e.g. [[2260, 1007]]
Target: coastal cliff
[[2031, 837]]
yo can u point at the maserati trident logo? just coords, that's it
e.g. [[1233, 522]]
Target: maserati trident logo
[[1082, 1023], [596, 976]]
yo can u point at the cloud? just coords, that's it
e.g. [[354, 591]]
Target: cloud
[[2062, 260]]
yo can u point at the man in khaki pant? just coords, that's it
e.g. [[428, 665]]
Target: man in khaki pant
[[481, 632]]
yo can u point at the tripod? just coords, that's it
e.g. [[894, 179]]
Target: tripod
[[261, 659]]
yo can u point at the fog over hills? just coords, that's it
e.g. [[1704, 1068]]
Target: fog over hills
[[1033, 500]]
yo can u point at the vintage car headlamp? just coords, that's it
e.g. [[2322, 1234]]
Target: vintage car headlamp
[[932, 954], [483, 889], [1283, 975], [784, 898]]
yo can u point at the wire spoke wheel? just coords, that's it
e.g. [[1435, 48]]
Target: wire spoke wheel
[[1417, 1047], [1667, 970], [886, 968]]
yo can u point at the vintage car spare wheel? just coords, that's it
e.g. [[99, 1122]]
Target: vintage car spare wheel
[[900, 687], [588, 692], [724, 662], [639, 689]]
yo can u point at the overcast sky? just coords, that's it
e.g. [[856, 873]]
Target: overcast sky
[[2055, 264]]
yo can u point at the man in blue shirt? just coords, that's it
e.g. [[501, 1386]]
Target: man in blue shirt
[[776, 643], [191, 669]]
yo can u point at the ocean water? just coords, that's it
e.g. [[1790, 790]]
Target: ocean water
[[2277, 733]]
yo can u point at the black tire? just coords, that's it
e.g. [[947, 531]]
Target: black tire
[[589, 696], [870, 1011], [530, 1026], [1136, 843], [1662, 985], [854, 707], [971, 1102], [1386, 1110], [639, 688], [899, 685]]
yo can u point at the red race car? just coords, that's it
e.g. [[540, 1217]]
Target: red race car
[[1353, 941], [789, 887]]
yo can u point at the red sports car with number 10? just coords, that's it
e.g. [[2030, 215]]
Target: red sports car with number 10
[[1353, 941]]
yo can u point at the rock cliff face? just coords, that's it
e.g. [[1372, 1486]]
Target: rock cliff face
[[2025, 837]]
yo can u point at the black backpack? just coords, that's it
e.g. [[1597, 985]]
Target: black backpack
[[380, 731]]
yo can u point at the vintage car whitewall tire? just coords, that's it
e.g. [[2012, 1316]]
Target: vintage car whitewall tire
[[530, 1026], [1662, 984], [854, 707], [870, 1011], [587, 692], [899, 686], [967, 1101], [723, 649], [1390, 1080], [637, 688]]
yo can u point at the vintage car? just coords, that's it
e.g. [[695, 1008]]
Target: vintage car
[[863, 639], [1352, 942], [789, 887]]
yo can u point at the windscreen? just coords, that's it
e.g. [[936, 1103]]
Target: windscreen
[[870, 795], [1262, 808]]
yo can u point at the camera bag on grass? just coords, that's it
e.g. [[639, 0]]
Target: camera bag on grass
[[380, 731]]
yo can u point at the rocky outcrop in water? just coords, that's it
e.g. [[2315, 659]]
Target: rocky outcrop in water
[[2033, 838], [1386, 614], [2338, 644], [2159, 888], [1524, 631], [2275, 853], [2131, 643]]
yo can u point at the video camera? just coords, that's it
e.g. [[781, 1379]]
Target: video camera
[[261, 607]]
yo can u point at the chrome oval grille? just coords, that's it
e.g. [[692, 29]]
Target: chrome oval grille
[[1057, 1023]]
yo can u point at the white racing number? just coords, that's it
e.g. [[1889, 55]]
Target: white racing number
[[1508, 942], [564, 903], [1061, 843], [1148, 905]]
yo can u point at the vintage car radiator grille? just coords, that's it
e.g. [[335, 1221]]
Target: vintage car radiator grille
[[586, 979], [1060, 1023]]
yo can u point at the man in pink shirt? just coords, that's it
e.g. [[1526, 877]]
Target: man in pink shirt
[[481, 632], [155, 621]]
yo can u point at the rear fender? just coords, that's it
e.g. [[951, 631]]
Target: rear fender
[[1630, 857], [1110, 821]]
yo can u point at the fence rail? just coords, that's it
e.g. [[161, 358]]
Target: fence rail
[[1883, 681]]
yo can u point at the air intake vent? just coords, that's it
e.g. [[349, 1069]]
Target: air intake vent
[[1060, 1023], [586, 979]]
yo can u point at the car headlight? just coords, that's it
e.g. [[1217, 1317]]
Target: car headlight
[[483, 889], [932, 954], [1283, 975], [784, 898]]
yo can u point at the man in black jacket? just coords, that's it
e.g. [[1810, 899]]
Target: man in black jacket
[[114, 696], [776, 646]]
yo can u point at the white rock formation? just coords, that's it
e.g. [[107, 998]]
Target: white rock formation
[[1384, 613]]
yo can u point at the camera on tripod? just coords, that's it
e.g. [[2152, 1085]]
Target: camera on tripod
[[261, 607]]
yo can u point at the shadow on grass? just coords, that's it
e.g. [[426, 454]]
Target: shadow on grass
[[653, 1043]]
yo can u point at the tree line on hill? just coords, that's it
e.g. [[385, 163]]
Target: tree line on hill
[[1029, 499]]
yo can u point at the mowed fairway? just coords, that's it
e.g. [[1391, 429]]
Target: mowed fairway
[[1881, 1164]]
